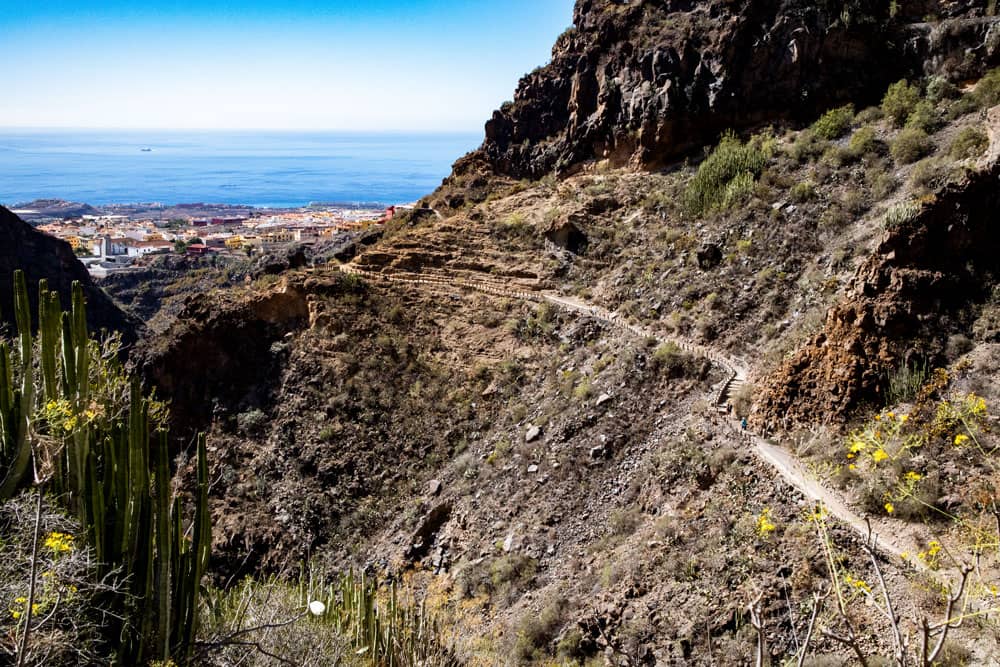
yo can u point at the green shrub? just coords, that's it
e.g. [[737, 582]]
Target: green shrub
[[900, 213], [869, 115], [864, 141], [924, 117], [987, 93], [940, 89], [571, 645], [838, 156], [250, 422], [669, 359], [535, 630], [834, 123], [903, 385], [803, 192], [900, 100], [725, 174], [512, 570], [910, 145], [739, 189], [970, 142], [963, 106], [882, 183], [807, 146], [927, 174]]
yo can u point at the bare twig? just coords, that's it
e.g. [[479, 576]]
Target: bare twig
[[817, 604], [890, 612], [754, 609], [22, 652], [850, 641], [944, 626]]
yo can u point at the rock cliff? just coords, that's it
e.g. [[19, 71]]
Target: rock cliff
[[642, 83]]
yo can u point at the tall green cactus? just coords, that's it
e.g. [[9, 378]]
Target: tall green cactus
[[104, 471], [19, 402]]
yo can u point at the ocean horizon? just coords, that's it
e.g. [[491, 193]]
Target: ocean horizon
[[267, 169]]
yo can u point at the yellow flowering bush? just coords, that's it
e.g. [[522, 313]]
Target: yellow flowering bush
[[896, 457], [765, 525], [59, 543]]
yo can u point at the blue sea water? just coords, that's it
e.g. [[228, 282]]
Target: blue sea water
[[268, 169]]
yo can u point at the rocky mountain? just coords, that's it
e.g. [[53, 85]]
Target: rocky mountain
[[42, 256], [525, 399], [643, 83]]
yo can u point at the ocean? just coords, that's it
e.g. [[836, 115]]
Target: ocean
[[266, 169]]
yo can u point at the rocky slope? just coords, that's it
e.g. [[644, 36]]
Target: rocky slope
[[927, 282], [563, 490], [645, 82], [41, 256]]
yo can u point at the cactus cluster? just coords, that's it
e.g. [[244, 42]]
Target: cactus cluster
[[83, 428]]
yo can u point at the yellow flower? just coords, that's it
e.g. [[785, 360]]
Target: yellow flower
[[961, 439], [890, 508], [891, 415], [904, 418], [852, 467], [59, 542], [764, 524], [879, 455], [913, 476]]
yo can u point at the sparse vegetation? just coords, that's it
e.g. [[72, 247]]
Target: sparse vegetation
[[727, 175], [900, 213], [971, 142], [900, 100], [910, 145], [834, 123]]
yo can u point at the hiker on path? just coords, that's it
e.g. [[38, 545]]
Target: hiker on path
[[743, 423]]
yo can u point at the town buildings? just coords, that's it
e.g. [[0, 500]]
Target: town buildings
[[112, 242]]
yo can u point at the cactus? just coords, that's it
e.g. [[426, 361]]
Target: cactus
[[19, 402], [105, 474]]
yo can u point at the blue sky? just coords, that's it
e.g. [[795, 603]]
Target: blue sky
[[421, 65]]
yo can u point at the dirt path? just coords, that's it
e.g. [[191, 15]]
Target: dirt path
[[781, 460]]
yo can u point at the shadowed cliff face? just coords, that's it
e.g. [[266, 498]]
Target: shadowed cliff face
[[42, 256], [646, 82]]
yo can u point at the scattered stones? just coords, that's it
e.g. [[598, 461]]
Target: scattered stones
[[532, 469], [602, 399], [532, 433], [434, 487]]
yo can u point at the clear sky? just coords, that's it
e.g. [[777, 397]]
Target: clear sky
[[434, 65]]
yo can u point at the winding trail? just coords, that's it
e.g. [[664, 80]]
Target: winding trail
[[777, 458], [782, 461]]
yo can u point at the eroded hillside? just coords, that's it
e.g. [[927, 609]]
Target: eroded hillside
[[517, 401]]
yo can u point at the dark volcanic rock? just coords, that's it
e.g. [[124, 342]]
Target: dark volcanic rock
[[42, 256], [645, 82]]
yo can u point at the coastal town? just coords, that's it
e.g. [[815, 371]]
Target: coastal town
[[115, 239]]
